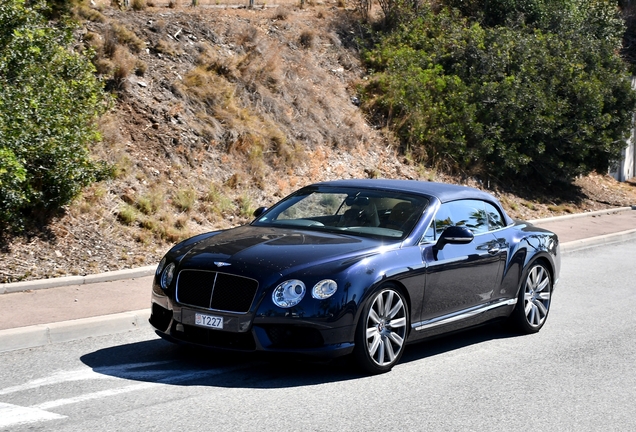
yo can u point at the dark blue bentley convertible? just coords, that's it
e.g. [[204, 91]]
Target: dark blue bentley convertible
[[358, 267]]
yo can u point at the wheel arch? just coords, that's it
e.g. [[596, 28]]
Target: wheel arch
[[538, 258], [368, 295]]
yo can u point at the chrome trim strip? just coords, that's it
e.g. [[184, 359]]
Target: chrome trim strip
[[461, 315], [216, 276]]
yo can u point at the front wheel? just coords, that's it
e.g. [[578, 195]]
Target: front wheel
[[534, 300], [381, 333]]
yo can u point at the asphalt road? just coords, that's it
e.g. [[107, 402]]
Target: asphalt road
[[577, 374]]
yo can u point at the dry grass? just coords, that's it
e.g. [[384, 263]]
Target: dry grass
[[184, 199], [84, 11], [307, 39], [124, 63], [158, 25], [245, 207], [138, 5], [150, 203], [166, 47], [127, 215], [235, 116], [140, 67], [128, 37], [560, 209], [281, 13]]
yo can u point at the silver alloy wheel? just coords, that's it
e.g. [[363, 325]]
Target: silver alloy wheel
[[386, 327], [537, 294]]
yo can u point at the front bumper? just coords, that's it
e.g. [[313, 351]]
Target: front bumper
[[243, 333]]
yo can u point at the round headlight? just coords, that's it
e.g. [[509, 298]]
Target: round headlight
[[324, 289], [167, 275], [160, 266], [289, 293]]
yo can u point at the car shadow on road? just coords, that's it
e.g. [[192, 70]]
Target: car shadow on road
[[161, 362]]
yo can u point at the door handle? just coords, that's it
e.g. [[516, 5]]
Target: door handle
[[494, 250]]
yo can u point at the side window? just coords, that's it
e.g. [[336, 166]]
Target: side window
[[478, 216], [443, 220], [469, 213], [495, 220]]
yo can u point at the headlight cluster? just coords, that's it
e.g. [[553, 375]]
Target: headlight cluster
[[291, 292], [167, 275]]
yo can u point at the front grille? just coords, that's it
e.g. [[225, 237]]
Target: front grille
[[214, 290]]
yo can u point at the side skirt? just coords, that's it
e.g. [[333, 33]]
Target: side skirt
[[461, 315]]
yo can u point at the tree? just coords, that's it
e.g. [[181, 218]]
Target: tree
[[49, 102], [546, 96]]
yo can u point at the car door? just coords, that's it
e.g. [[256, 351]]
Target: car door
[[461, 276]]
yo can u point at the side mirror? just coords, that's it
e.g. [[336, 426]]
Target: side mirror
[[454, 235], [259, 211]]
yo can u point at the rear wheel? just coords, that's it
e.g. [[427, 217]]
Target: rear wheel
[[534, 299], [381, 333]]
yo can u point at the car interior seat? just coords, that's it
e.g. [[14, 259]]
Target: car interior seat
[[400, 214], [363, 212]]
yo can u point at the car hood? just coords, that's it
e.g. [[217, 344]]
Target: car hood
[[250, 249]]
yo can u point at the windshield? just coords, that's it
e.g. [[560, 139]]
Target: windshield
[[367, 212]]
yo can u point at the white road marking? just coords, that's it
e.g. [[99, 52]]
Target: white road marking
[[56, 378], [85, 374], [95, 395], [13, 415], [174, 376]]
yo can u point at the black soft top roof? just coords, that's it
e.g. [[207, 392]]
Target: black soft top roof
[[443, 191]]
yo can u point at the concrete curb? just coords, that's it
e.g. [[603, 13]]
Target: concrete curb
[[606, 239], [77, 280], [579, 215], [65, 331]]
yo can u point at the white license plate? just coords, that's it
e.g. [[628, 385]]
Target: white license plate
[[208, 321]]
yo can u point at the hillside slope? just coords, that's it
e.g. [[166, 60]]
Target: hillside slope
[[219, 111]]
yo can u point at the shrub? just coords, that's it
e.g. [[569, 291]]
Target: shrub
[[527, 101], [49, 102]]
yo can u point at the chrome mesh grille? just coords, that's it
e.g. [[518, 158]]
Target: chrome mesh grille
[[214, 290]]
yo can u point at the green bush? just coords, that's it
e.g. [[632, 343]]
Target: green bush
[[49, 102], [516, 101]]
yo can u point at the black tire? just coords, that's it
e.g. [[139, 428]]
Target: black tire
[[381, 333], [535, 297]]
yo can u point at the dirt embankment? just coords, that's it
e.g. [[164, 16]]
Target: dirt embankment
[[219, 111]]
